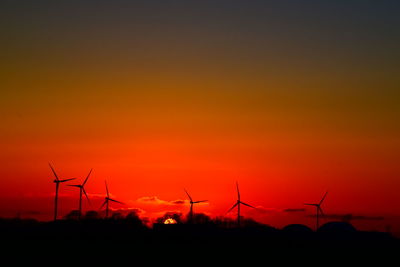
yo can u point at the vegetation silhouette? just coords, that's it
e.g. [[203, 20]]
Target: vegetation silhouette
[[202, 230]]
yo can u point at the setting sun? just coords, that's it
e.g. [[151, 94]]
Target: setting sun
[[170, 221]]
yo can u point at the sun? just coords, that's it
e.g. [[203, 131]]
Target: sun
[[170, 221]]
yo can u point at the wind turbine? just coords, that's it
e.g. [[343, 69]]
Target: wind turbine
[[107, 199], [318, 208], [191, 205], [57, 181], [238, 203], [82, 190]]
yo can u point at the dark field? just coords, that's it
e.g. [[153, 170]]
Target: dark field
[[334, 234]]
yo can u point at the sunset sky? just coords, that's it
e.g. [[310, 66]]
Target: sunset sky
[[289, 98]]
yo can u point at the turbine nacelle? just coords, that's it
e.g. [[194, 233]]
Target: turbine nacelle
[[191, 200], [81, 190], [107, 199], [318, 209], [63, 181], [238, 203], [191, 205], [196, 202], [57, 181]]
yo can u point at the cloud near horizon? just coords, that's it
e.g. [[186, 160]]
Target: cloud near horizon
[[263, 209], [157, 201], [129, 209], [293, 210]]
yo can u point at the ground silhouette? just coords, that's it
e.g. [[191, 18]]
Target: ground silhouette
[[201, 231]]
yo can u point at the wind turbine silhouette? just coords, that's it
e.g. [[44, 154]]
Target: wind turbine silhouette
[[82, 190], [107, 199], [57, 181], [191, 205], [238, 203], [318, 208]]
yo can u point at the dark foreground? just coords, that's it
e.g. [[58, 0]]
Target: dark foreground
[[125, 242], [181, 236]]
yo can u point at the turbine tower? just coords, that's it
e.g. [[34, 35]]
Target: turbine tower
[[238, 203], [191, 205], [107, 199], [82, 190], [57, 181], [318, 209]]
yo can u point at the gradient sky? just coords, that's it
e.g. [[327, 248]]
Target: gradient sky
[[290, 98]]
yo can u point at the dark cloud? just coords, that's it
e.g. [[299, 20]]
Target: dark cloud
[[262, 209], [178, 202], [350, 217], [31, 212], [294, 210], [273, 210]]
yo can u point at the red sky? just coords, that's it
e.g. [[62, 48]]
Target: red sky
[[289, 102]]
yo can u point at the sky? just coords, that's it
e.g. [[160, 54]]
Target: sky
[[289, 98]]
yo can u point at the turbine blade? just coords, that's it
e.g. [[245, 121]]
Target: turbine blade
[[323, 198], [234, 206], [248, 205], [321, 211], [200, 201], [66, 180], [113, 200], [308, 204], [108, 195], [105, 202], [191, 200], [86, 195], [87, 177], [74, 185], [54, 172], [237, 189]]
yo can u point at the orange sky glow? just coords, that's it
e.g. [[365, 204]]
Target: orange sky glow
[[158, 105]]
